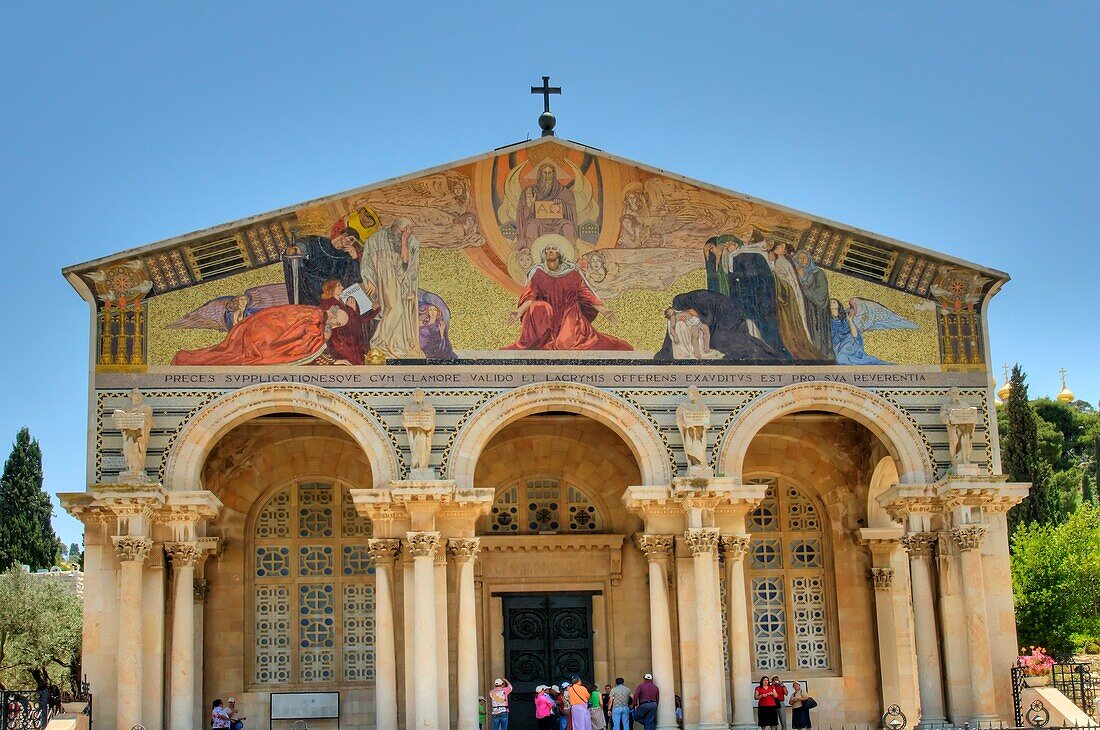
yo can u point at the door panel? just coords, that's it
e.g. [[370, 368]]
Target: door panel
[[547, 639]]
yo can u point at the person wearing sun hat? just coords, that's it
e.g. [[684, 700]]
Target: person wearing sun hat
[[544, 709], [498, 699]]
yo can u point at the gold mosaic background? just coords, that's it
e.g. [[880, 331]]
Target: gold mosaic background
[[167, 308], [901, 347]]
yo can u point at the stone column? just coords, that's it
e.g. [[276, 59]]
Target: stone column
[[920, 546], [383, 552], [422, 547], [735, 547], [969, 539], [443, 665], [465, 552], [181, 715], [658, 550], [132, 552], [703, 542]]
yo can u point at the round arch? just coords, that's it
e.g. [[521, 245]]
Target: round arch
[[897, 433], [649, 449], [184, 463]]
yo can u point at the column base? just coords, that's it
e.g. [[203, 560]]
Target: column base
[[930, 723], [673, 726], [986, 721], [713, 726], [744, 726]]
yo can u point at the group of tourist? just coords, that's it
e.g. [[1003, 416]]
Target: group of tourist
[[574, 706], [226, 716], [771, 693]]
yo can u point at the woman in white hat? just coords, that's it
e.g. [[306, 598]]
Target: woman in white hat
[[544, 709]]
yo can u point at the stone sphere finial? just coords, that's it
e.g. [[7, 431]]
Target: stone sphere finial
[[547, 120]]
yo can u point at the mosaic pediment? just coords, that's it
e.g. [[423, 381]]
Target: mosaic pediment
[[540, 252]]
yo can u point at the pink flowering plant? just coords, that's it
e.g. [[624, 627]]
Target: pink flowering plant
[[1035, 663]]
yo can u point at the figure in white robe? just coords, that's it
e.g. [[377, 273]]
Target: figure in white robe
[[391, 271]]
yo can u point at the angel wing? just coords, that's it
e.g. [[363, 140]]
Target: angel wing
[[869, 315], [506, 213], [268, 295], [210, 316], [587, 207]]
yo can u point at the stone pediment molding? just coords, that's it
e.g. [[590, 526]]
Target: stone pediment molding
[[898, 433], [136, 508], [646, 444], [609, 547], [184, 462], [952, 495]]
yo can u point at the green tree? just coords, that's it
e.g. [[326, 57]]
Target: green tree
[[74, 552], [1021, 458], [1056, 582], [26, 535], [40, 630]]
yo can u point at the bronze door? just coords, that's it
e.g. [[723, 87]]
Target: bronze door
[[547, 640]]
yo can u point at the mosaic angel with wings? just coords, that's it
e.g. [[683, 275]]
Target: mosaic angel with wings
[[224, 313], [847, 326]]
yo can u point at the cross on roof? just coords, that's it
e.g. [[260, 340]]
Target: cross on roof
[[546, 90]]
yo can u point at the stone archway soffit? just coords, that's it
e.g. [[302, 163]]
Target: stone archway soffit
[[202, 432]]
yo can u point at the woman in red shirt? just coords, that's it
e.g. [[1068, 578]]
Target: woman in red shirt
[[767, 704]]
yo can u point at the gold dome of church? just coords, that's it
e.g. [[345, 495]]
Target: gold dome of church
[[1066, 395], [1005, 389]]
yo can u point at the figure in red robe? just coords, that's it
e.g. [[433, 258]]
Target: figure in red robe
[[273, 336], [556, 309], [347, 344]]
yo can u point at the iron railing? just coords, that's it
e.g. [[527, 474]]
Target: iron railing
[[25, 709], [1073, 679]]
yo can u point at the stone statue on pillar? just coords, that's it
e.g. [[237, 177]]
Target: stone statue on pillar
[[961, 420], [135, 422], [419, 421], [693, 420]]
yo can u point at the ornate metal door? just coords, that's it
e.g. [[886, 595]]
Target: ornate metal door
[[547, 638]]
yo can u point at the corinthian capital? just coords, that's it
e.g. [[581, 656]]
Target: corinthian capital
[[702, 540], [183, 554], [421, 544], [920, 544], [383, 550], [735, 547], [882, 578], [464, 548], [969, 537], [655, 547], [129, 547]]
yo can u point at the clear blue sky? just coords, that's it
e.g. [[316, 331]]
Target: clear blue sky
[[969, 128]]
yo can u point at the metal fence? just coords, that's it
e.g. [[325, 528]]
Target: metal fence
[[25, 709], [1073, 679]]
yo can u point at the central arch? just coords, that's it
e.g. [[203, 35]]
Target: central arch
[[898, 434], [183, 467], [649, 449]]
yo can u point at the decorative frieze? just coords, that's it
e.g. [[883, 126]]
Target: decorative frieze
[[464, 549], [702, 540], [384, 550], [655, 547], [129, 547], [969, 537], [421, 544], [735, 547], [920, 544], [881, 578]]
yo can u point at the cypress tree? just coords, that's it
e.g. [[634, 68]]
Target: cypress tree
[[1020, 458], [26, 535]]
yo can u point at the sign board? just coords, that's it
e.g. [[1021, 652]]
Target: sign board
[[304, 705]]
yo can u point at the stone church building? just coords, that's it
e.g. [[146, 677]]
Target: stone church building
[[538, 413]]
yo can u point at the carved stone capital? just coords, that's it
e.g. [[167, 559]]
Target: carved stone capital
[[969, 537], [735, 547], [464, 549], [655, 547], [702, 540], [183, 554], [383, 550], [421, 544], [881, 578], [201, 587], [920, 544], [129, 547]]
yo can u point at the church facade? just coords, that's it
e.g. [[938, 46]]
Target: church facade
[[539, 413]]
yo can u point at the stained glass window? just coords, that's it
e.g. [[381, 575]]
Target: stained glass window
[[787, 586], [313, 597], [546, 506]]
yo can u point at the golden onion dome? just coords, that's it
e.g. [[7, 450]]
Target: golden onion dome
[[1066, 395], [1005, 389]]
